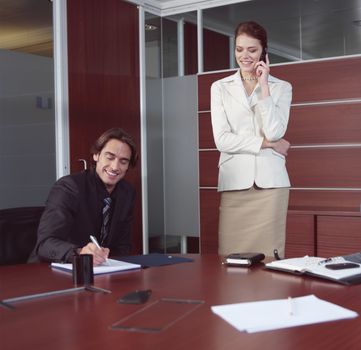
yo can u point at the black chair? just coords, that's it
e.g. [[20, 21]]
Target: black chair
[[18, 232]]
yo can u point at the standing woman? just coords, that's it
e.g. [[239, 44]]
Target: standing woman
[[250, 111]]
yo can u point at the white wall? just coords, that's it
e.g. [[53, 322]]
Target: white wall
[[27, 137]]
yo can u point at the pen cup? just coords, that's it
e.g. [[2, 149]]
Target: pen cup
[[83, 274]]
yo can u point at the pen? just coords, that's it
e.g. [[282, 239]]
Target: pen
[[290, 306], [95, 241]]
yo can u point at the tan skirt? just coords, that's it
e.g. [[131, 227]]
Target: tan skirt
[[253, 220]]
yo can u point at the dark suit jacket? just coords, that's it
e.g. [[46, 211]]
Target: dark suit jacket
[[73, 212]]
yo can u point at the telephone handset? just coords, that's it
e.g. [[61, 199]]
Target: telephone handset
[[263, 55]]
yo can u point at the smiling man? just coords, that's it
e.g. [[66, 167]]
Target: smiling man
[[97, 202]]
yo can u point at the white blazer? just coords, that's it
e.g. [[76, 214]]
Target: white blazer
[[240, 123]]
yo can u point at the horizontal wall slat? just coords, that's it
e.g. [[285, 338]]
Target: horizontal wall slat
[[325, 167], [308, 167], [326, 199], [324, 124], [209, 206], [205, 131], [322, 80]]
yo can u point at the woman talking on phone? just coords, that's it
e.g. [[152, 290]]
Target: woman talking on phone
[[250, 111]]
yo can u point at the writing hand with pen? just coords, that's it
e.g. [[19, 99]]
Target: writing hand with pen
[[100, 254]]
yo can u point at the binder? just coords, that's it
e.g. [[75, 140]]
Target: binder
[[348, 274], [243, 259]]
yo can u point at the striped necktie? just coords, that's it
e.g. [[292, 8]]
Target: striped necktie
[[106, 220]]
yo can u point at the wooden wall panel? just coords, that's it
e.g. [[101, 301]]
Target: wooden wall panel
[[209, 207], [300, 235], [325, 167], [337, 169], [215, 50], [206, 139], [208, 168], [338, 235], [324, 80], [190, 49], [204, 88], [212, 59], [103, 64], [325, 124], [337, 200]]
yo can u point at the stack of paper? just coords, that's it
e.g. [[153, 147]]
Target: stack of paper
[[282, 313]]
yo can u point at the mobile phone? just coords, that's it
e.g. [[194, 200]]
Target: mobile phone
[[341, 266], [263, 55]]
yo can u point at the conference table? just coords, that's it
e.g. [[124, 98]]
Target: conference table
[[85, 319]]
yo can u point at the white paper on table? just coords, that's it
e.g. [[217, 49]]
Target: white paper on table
[[111, 265], [275, 314]]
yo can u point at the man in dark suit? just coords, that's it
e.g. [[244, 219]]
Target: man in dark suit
[[97, 202]]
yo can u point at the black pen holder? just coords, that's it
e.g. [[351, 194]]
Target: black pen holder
[[83, 274]]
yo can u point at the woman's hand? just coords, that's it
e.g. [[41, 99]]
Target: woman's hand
[[281, 146], [262, 71]]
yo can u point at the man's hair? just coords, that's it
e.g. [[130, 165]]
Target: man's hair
[[117, 134], [254, 30]]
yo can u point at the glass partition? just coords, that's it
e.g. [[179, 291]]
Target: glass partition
[[27, 122], [171, 113], [297, 30]]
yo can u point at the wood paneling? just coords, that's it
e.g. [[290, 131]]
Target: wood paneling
[[190, 49], [344, 84], [325, 124], [325, 167], [338, 235], [337, 168], [204, 88], [215, 50], [208, 168], [206, 139], [322, 81], [328, 200], [300, 237], [209, 213], [103, 64], [103, 72]]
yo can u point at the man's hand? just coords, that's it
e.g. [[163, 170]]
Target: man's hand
[[99, 255]]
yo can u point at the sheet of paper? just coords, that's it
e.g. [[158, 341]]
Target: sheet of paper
[[275, 314], [296, 264], [111, 266]]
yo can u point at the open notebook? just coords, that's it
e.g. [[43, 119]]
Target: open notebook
[[320, 267], [111, 266]]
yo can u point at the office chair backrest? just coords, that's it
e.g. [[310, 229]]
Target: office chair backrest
[[18, 232]]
